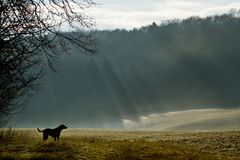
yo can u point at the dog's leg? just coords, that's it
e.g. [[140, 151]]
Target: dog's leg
[[45, 137], [55, 139]]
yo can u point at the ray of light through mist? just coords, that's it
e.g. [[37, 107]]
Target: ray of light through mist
[[139, 76]]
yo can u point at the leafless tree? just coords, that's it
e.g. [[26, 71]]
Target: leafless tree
[[31, 36]]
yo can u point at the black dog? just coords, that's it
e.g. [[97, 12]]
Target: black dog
[[55, 133]]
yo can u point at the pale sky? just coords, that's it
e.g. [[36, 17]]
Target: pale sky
[[111, 14]]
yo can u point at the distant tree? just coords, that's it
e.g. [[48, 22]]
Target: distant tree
[[31, 38]]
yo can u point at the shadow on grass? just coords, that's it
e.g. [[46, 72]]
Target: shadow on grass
[[154, 151], [53, 151]]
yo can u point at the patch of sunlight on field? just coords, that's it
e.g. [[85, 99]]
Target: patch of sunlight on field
[[26, 144], [199, 120]]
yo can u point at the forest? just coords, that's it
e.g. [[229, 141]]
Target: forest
[[173, 65]]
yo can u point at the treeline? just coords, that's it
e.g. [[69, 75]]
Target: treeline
[[175, 65]]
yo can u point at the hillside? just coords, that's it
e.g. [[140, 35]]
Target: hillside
[[189, 120]]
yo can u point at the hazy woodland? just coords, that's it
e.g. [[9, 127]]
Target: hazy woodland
[[172, 66]]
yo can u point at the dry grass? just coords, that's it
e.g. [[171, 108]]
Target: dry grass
[[26, 144]]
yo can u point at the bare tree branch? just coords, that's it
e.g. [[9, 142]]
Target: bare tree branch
[[30, 38]]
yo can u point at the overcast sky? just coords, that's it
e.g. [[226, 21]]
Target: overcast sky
[[110, 14]]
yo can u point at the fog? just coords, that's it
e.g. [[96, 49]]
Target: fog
[[176, 65]]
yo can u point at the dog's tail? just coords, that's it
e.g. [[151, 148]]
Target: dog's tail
[[39, 130]]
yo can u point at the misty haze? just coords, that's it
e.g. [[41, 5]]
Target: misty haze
[[119, 80], [159, 68]]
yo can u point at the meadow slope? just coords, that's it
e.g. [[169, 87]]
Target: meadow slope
[[197, 120]]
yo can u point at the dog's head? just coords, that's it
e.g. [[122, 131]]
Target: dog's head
[[62, 126]]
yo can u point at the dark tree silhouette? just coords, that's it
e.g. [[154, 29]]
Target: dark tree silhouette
[[30, 38]]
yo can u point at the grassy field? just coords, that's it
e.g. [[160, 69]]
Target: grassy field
[[21, 144]]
